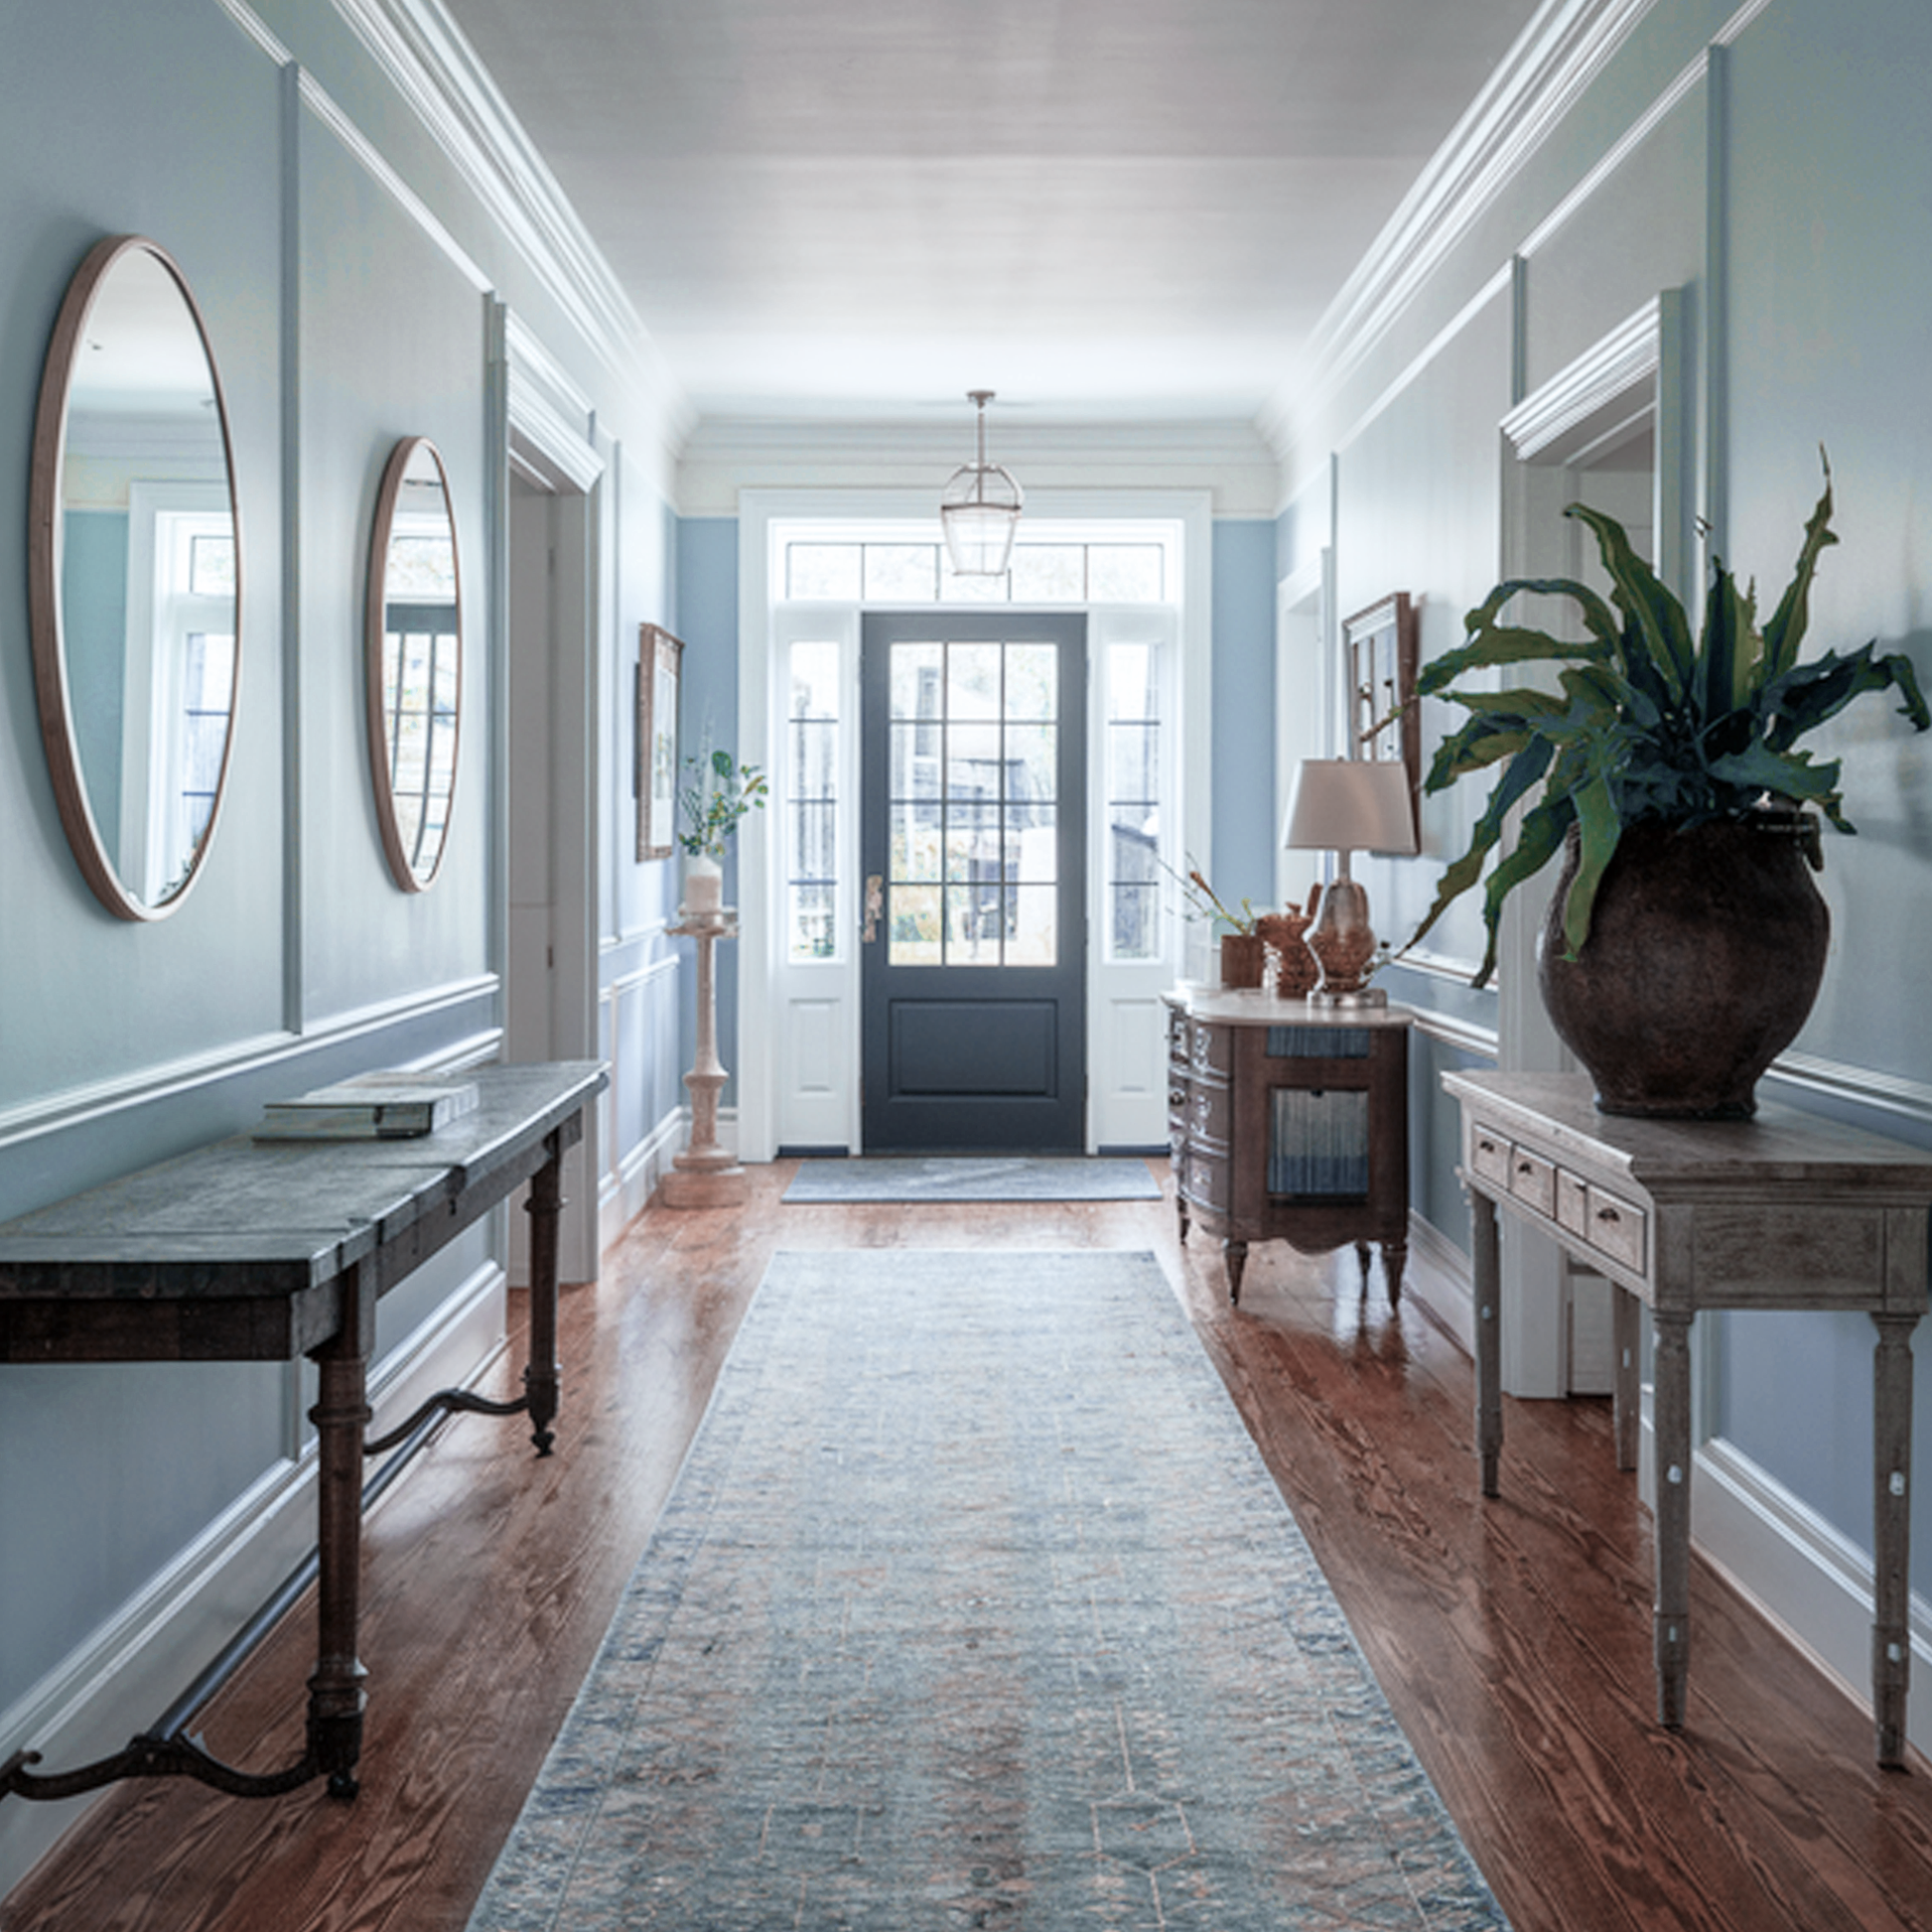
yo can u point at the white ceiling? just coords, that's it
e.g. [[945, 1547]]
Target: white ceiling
[[1099, 208]]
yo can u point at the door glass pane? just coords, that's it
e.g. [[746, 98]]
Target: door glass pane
[[1033, 846], [810, 912], [915, 680], [973, 681], [1030, 915], [974, 763], [1130, 773], [1033, 681], [913, 768], [913, 925], [974, 916], [1130, 682], [973, 844], [1031, 762], [915, 841]]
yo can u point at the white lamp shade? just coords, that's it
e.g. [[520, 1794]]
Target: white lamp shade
[[1350, 806]]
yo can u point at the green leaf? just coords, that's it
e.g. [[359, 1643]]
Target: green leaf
[[1602, 831], [1538, 841], [1803, 697], [1786, 630], [1657, 632]]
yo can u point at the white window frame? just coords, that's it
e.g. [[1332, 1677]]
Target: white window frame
[[798, 1041]]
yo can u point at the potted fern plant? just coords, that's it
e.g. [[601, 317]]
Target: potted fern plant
[[1685, 940]]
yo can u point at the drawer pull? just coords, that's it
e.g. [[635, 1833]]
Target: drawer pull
[[1525, 1166], [1485, 1145], [1608, 1214]]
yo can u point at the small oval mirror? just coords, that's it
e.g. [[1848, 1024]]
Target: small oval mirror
[[134, 577], [415, 660]]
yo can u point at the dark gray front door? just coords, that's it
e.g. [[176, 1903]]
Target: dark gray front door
[[972, 841]]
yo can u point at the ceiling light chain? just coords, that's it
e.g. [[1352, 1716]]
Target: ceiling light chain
[[979, 510]]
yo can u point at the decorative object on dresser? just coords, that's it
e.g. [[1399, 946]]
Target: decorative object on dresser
[[1662, 751], [1291, 970], [1243, 953], [1343, 806], [133, 504], [1786, 1210], [1289, 1121]]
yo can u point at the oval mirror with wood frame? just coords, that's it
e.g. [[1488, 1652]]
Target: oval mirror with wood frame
[[414, 625], [134, 577]]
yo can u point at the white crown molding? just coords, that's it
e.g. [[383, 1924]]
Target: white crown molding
[[1226, 457], [426, 58], [1629, 356], [1554, 62], [552, 422]]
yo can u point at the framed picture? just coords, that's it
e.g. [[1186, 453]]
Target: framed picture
[[656, 779], [1380, 644]]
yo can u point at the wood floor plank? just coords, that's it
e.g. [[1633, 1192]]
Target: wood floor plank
[[1513, 1636]]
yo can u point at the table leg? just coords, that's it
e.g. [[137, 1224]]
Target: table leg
[[1395, 1256], [1234, 1258], [1626, 1402], [340, 1416], [1891, 1464], [1673, 1525], [1487, 1281], [544, 1205]]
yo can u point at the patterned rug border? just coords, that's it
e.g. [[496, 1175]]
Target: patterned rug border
[[915, 1177], [1431, 1882]]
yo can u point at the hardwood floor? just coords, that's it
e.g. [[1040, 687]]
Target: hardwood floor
[[1513, 1638]]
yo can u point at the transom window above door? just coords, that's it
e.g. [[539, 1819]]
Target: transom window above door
[[915, 572]]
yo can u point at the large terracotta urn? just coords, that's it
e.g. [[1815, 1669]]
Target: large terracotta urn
[[1705, 949]]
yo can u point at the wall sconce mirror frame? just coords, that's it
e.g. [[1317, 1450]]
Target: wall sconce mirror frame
[[134, 577], [413, 660]]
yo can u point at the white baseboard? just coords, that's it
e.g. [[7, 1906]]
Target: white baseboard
[[1803, 1573], [122, 1675], [1439, 1277], [627, 1194]]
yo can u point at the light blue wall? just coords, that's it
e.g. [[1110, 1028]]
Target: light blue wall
[[343, 315], [707, 621], [1243, 861], [1809, 292]]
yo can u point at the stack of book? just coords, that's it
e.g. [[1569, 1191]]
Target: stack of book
[[370, 1107]]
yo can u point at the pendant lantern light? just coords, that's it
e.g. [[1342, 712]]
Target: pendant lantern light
[[980, 510]]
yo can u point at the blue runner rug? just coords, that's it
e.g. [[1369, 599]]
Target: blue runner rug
[[975, 1606], [989, 1178]]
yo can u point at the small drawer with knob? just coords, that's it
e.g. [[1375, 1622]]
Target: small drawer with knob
[[1489, 1154], [1533, 1180], [1616, 1228]]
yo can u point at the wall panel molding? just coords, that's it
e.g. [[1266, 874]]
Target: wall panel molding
[[1543, 76]]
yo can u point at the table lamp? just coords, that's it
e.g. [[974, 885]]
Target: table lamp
[[1344, 806]]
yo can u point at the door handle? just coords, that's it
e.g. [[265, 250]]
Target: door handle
[[875, 905]]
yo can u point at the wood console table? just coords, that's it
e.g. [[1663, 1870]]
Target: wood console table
[[264, 1250], [1786, 1210], [1289, 1122]]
